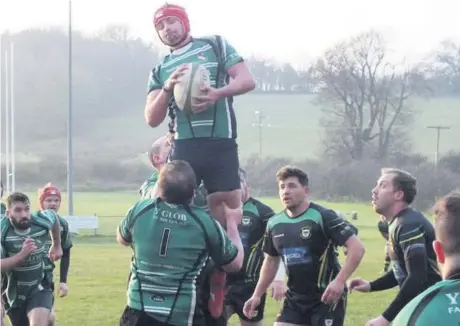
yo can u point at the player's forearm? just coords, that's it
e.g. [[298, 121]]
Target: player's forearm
[[64, 267], [238, 86], [156, 108], [267, 274], [56, 233], [8, 264], [387, 281], [355, 254]]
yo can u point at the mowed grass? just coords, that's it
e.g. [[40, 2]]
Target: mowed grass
[[99, 266]]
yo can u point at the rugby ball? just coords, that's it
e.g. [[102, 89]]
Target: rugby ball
[[190, 85]]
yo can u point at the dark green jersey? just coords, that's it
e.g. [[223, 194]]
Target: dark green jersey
[[219, 120], [172, 245], [66, 243], [147, 187], [307, 245], [26, 279], [437, 305], [408, 231], [2, 209], [251, 230]]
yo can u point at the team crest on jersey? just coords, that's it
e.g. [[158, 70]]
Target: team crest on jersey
[[246, 221], [328, 322], [305, 232]]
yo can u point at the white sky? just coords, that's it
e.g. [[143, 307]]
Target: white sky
[[287, 30]]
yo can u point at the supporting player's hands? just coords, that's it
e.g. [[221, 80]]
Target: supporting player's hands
[[55, 252], [210, 96], [175, 78], [28, 247], [379, 321], [333, 292], [360, 285], [250, 306], [277, 290], [63, 290]]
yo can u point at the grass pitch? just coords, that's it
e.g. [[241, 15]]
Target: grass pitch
[[99, 266]]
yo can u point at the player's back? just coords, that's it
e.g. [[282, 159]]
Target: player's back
[[411, 227], [171, 249], [437, 305]]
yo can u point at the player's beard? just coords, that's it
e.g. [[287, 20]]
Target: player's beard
[[23, 224]]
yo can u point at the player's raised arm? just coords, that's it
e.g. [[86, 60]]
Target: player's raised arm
[[242, 81], [159, 95]]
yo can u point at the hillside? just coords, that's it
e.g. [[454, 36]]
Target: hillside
[[293, 128]]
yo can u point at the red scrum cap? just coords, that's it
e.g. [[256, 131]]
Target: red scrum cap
[[170, 10], [47, 190]]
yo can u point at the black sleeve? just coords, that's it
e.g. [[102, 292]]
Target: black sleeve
[[416, 281], [336, 228], [64, 267], [268, 246], [385, 282]]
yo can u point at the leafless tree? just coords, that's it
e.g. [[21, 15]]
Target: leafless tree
[[365, 98]]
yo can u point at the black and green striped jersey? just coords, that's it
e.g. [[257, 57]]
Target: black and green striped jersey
[[2, 209], [172, 246], [307, 244], [437, 305], [252, 230], [147, 187], [26, 279], [218, 121]]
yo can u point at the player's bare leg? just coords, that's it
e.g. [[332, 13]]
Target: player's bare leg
[[39, 317], [52, 320], [227, 208]]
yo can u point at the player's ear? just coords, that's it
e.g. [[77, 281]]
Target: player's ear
[[439, 251]]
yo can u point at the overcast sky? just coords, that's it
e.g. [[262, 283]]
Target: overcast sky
[[287, 30]]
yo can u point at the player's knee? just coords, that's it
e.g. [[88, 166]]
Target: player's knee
[[52, 320]]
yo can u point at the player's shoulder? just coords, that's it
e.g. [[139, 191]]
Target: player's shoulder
[[278, 218], [321, 213], [4, 224], [44, 216], [409, 220], [143, 206], [62, 222]]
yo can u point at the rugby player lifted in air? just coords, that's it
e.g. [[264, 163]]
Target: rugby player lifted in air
[[205, 139], [411, 235], [173, 243], [440, 303], [241, 285], [49, 198], [23, 247], [305, 235]]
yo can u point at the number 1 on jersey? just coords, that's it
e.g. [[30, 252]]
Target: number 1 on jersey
[[164, 242]]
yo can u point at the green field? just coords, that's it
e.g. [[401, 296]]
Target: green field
[[99, 266]]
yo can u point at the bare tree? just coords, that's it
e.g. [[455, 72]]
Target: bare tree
[[447, 65], [364, 98]]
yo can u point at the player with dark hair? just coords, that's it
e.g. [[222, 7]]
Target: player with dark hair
[[440, 303], [305, 235], [23, 246], [173, 243], [49, 198], [412, 256], [205, 139]]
